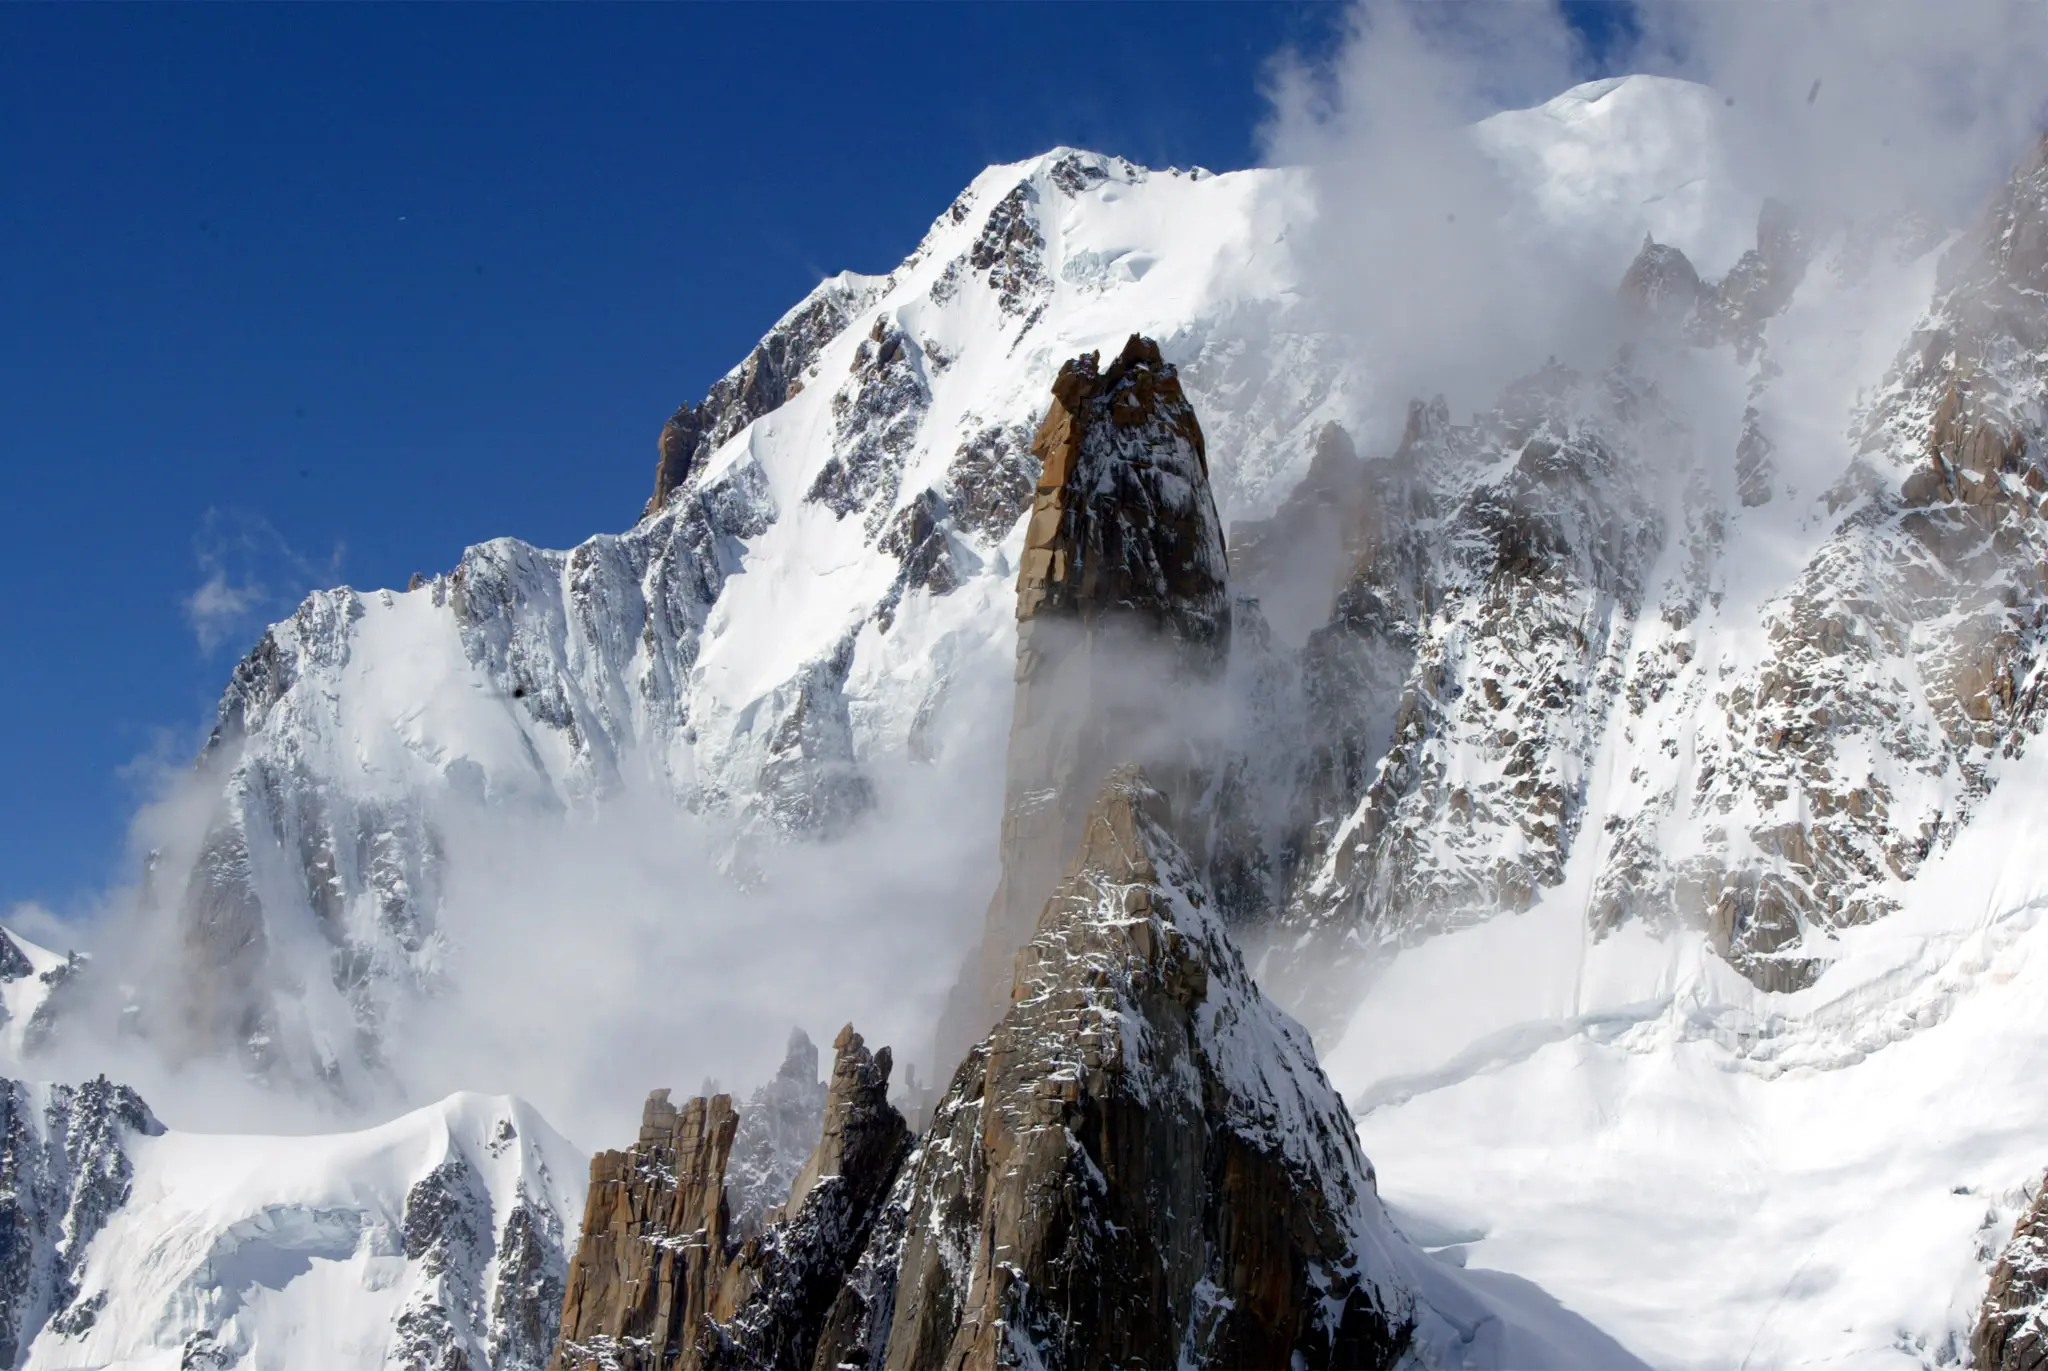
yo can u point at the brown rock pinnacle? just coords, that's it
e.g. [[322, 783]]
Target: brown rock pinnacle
[[1122, 606], [659, 1284]]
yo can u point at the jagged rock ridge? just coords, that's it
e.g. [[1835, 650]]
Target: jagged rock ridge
[[661, 1282], [1145, 1140], [64, 1169]]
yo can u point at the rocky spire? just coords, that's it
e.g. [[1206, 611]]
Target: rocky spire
[[652, 1256], [1142, 1165], [1122, 604], [662, 1282]]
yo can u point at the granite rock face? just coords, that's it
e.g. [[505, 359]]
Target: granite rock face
[[661, 1281], [1141, 1165], [2012, 1326], [1123, 612]]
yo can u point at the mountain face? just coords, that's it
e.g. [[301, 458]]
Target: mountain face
[[822, 573], [436, 1240], [1141, 1163], [64, 1158], [1652, 741]]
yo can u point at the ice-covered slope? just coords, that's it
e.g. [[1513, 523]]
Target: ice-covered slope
[[1821, 1178], [433, 1240]]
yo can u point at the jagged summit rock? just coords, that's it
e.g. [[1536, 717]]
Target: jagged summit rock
[[661, 1280], [1142, 1165], [778, 1128], [1123, 522], [1123, 609], [1663, 292], [1662, 287]]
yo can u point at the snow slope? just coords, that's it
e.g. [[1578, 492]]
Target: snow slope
[[435, 1239], [1818, 1178]]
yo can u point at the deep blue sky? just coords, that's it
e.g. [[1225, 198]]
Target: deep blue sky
[[374, 283]]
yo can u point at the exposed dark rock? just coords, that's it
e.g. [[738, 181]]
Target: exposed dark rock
[[771, 374], [1754, 469], [1121, 606], [1661, 289], [1141, 1165], [920, 538], [876, 416], [64, 1170], [988, 486], [778, 1129], [661, 1282], [800, 1264], [2012, 1326], [1011, 252], [654, 1251], [14, 963], [810, 782]]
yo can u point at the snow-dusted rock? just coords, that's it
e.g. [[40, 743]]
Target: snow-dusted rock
[[435, 1240]]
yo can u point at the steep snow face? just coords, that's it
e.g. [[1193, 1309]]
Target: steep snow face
[[434, 1240], [820, 585], [1819, 1178], [30, 976]]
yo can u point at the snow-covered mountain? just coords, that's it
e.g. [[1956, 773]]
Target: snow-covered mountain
[[1628, 779], [432, 1240]]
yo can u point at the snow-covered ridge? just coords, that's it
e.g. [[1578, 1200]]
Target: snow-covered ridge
[[435, 1239]]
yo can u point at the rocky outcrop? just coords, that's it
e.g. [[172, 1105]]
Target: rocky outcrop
[[2012, 1326], [1662, 292], [1122, 606], [1906, 655], [779, 1127], [64, 1170], [661, 1282], [1142, 1165], [1661, 288], [1482, 585], [795, 1272], [773, 372]]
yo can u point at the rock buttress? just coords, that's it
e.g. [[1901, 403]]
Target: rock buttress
[[2012, 1326], [1122, 607], [659, 1281], [1142, 1165]]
